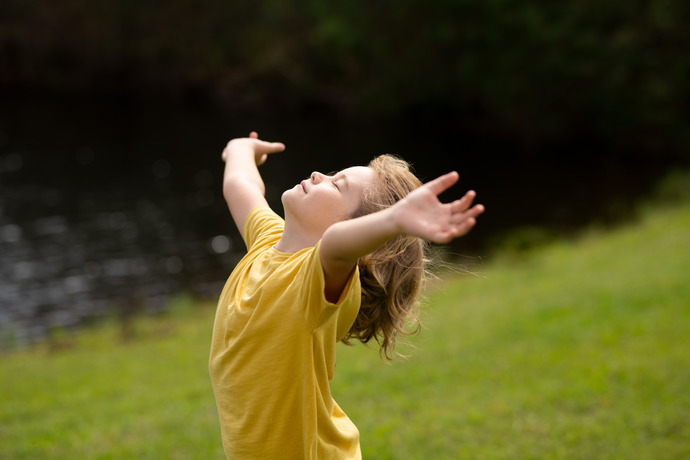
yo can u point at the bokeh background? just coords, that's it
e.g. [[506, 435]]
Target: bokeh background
[[113, 116]]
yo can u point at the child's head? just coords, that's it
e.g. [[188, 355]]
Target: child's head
[[321, 200], [392, 276]]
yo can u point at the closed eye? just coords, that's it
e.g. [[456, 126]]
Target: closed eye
[[339, 181]]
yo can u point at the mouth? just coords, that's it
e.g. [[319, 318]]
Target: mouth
[[304, 189]]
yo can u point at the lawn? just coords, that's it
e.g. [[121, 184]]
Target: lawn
[[573, 350]]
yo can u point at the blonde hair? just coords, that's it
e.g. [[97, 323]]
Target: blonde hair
[[393, 275]]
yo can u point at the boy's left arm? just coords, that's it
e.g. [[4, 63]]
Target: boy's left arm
[[419, 214]]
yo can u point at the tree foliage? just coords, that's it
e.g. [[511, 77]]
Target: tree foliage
[[617, 70]]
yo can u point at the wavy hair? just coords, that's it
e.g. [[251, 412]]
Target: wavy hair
[[392, 276]]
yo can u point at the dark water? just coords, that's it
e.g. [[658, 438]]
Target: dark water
[[113, 207]]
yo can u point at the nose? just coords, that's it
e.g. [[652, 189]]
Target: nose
[[316, 177]]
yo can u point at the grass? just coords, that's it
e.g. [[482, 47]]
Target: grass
[[576, 350], [106, 393]]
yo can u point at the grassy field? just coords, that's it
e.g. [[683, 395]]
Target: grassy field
[[576, 350]]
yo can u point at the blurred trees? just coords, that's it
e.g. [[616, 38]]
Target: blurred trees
[[616, 70]]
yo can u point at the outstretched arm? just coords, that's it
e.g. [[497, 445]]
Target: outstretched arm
[[419, 214], [243, 187]]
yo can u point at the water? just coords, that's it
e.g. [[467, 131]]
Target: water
[[101, 214], [111, 208]]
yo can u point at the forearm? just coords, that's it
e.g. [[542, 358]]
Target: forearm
[[419, 214], [349, 240], [240, 167]]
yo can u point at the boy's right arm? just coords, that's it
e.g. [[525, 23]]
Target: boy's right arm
[[243, 187]]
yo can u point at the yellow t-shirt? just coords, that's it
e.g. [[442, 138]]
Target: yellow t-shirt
[[273, 352]]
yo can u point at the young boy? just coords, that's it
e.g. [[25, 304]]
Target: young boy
[[346, 262]]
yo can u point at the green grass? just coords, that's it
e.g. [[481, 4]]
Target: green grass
[[576, 350], [106, 393]]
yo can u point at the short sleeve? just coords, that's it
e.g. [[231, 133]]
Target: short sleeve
[[262, 225], [318, 309]]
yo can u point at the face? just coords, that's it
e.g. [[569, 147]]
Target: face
[[320, 201]]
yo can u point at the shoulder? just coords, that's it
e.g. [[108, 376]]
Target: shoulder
[[262, 223], [316, 299]]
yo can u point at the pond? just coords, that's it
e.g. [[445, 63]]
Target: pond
[[113, 207]]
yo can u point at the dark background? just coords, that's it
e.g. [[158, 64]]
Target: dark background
[[113, 116]]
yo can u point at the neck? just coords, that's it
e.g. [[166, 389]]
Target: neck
[[295, 238]]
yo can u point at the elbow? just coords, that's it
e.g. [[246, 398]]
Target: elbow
[[334, 244]]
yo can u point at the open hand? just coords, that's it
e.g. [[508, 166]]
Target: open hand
[[260, 148], [422, 214]]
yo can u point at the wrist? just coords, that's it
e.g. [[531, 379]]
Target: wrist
[[240, 153], [396, 218]]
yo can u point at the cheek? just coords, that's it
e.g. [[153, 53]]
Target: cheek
[[330, 206]]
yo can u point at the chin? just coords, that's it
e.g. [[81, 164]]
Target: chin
[[287, 200], [286, 194]]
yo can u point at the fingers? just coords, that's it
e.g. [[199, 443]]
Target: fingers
[[460, 216], [477, 210], [463, 218], [260, 148], [272, 147], [462, 227], [265, 146], [442, 183], [459, 224], [455, 231], [463, 203]]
